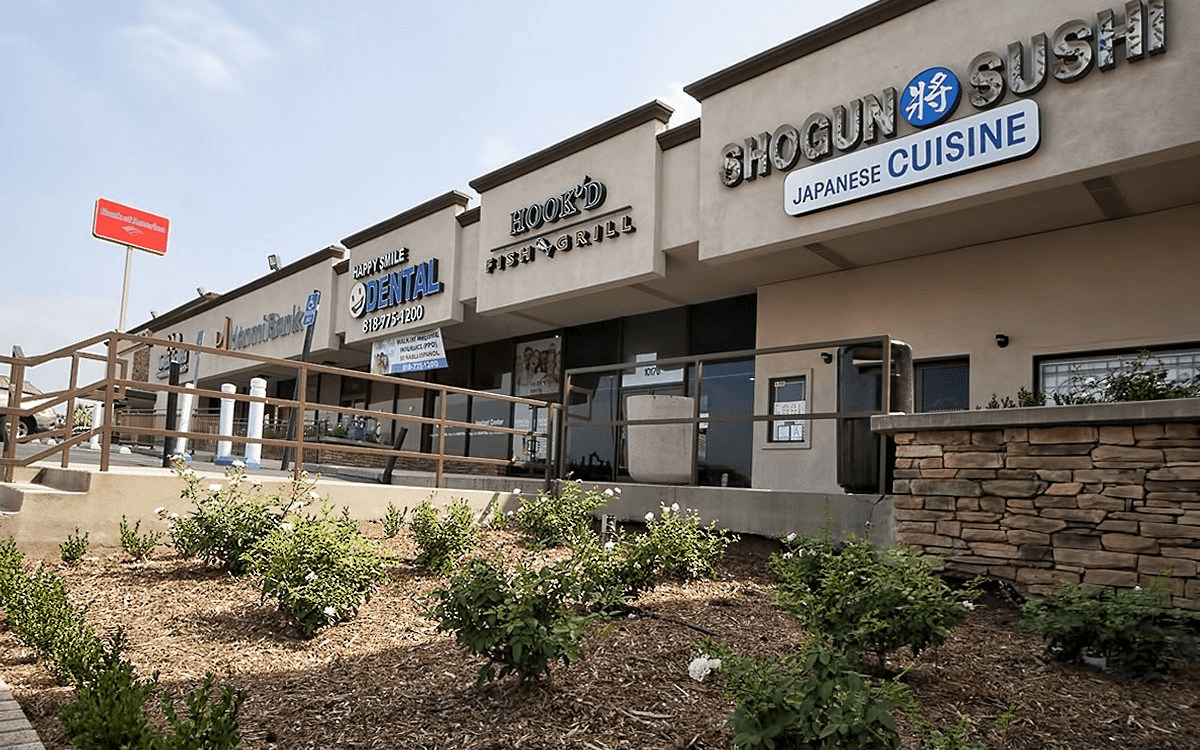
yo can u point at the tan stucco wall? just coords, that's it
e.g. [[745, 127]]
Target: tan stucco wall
[[1118, 284], [467, 281], [680, 194], [1087, 126], [280, 297]]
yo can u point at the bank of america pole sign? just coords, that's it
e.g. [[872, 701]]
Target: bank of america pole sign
[[132, 228]]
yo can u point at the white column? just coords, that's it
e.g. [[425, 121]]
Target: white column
[[97, 421], [224, 455], [185, 422], [254, 427]]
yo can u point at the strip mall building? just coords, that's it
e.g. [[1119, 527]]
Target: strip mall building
[[1010, 188]]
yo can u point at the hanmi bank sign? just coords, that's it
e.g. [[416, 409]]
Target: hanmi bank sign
[[941, 147]]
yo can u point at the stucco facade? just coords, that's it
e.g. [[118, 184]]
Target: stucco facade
[[645, 239]]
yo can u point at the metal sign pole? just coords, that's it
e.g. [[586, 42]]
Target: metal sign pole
[[125, 287]]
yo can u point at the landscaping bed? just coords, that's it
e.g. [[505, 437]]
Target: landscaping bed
[[388, 679]]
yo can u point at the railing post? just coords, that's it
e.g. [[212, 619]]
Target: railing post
[[15, 373], [696, 423], [106, 433], [70, 422], [441, 459], [298, 417]]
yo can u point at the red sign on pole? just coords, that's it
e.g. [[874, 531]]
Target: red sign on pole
[[131, 227]]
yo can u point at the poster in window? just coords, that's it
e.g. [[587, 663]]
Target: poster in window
[[539, 367], [789, 398]]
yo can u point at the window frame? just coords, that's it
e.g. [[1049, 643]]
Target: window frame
[[919, 368], [1123, 354]]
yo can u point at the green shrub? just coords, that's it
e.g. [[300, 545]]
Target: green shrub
[[811, 700], [207, 727], [677, 545], [318, 569], [520, 621], [552, 520], [957, 737], [393, 520], [866, 600], [228, 520], [1134, 630], [138, 546], [12, 571], [107, 711], [43, 618], [443, 541], [74, 548]]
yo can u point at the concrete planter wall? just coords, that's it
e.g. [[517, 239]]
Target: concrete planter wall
[[1105, 494]]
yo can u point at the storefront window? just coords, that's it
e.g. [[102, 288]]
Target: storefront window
[[1083, 375], [723, 453], [942, 385]]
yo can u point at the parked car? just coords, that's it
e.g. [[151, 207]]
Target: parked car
[[40, 421]]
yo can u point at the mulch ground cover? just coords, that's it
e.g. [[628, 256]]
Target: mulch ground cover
[[388, 679]]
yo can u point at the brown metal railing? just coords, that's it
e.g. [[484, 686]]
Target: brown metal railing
[[113, 386], [895, 360]]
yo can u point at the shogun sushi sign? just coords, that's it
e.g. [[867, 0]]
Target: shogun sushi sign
[[941, 147]]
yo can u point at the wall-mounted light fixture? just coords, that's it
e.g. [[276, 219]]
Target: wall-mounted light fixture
[[18, 351], [1001, 340], [154, 313], [273, 261], [826, 357], [201, 291]]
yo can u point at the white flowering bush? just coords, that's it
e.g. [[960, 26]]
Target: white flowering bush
[[229, 519], [443, 541], [552, 520], [319, 569], [866, 600], [609, 576], [675, 544], [521, 621]]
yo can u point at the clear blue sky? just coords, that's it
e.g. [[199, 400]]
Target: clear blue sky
[[282, 126]]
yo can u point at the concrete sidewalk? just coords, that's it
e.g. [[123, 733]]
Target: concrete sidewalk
[[15, 731]]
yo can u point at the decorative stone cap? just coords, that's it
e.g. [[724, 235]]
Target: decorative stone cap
[[1131, 412]]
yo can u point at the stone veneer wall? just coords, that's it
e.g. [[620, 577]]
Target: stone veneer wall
[[1036, 504]]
